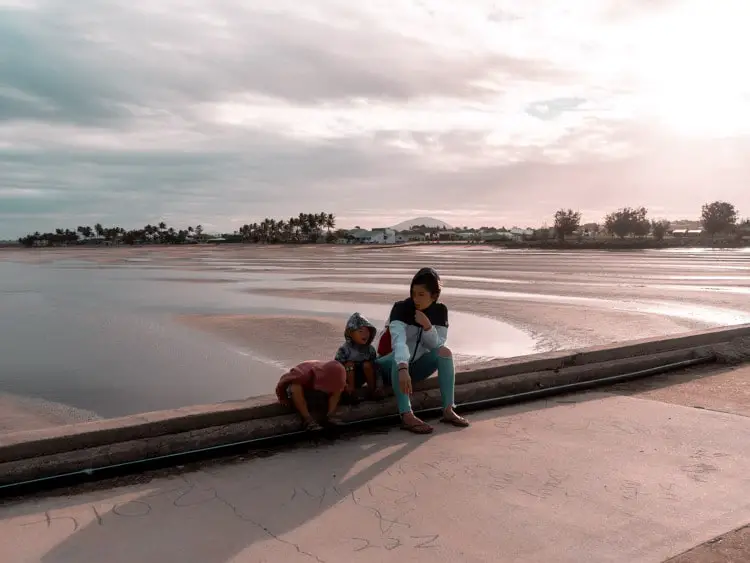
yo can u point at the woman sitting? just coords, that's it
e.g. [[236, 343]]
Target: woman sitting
[[418, 328]]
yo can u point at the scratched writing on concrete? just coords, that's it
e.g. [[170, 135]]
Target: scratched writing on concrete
[[390, 500], [391, 543], [388, 505]]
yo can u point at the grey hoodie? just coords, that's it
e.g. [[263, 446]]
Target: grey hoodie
[[351, 352]]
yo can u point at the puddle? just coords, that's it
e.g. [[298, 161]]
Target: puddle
[[734, 289], [474, 335], [703, 278], [470, 335]]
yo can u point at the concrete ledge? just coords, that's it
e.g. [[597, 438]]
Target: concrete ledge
[[34, 463], [34, 454], [583, 356], [185, 419]]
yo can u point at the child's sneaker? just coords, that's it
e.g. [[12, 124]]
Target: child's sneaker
[[312, 426], [334, 420]]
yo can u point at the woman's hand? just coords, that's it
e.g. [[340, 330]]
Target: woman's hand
[[404, 380], [422, 320]]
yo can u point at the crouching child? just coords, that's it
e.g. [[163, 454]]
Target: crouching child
[[313, 386], [358, 355]]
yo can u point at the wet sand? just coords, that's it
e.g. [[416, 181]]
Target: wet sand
[[554, 326], [288, 340], [28, 413]]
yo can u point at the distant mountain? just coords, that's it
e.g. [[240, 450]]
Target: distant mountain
[[430, 222]]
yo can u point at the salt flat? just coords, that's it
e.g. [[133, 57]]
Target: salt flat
[[592, 478]]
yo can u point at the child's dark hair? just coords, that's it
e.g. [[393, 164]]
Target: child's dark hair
[[430, 279]]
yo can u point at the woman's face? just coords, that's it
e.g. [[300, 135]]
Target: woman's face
[[422, 297]]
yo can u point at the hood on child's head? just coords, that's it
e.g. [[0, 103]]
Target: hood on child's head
[[330, 377], [357, 321]]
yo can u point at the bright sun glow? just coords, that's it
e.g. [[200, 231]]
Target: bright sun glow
[[690, 70]]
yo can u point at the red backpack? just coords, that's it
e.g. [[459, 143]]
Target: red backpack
[[384, 345]]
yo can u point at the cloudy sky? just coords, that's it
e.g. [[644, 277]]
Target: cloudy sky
[[477, 112]]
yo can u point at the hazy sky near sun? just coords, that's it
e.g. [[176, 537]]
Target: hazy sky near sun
[[476, 112]]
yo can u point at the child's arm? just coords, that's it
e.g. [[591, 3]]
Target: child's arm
[[342, 354], [333, 403], [298, 399]]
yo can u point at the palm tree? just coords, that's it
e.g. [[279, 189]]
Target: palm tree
[[320, 222], [305, 226], [281, 230]]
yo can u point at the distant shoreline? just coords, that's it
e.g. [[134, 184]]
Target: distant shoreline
[[585, 244], [625, 244]]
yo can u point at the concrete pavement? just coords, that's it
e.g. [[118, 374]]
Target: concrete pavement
[[599, 477]]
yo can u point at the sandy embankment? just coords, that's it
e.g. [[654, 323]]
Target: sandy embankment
[[27, 413], [284, 339]]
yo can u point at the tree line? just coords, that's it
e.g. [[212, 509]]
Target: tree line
[[306, 227], [718, 217]]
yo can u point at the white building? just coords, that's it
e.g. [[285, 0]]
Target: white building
[[410, 236], [468, 235], [359, 236], [383, 236], [694, 233], [497, 235], [519, 234]]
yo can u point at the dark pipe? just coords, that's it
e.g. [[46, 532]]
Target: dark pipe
[[235, 448]]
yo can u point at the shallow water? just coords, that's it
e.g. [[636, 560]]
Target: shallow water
[[101, 337]]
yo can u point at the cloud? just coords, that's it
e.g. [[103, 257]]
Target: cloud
[[226, 112]]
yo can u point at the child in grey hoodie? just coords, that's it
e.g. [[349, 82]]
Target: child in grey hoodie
[[358, 355]]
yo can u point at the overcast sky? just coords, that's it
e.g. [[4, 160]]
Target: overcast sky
[[476, 112]]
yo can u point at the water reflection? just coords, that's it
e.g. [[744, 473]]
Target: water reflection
[[102, 339], [101, 336]]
